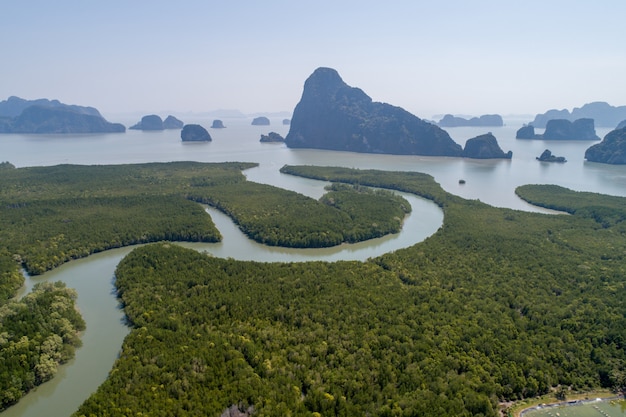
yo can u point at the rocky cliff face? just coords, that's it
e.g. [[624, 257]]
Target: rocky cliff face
[[484, 147], [333, 115], [612, 149]]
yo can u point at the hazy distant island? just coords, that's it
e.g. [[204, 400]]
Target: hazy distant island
[[485, 120], [333, 115], [485, 147], [527, 132], [261, 121], [195, 133], [272, 137], [612, 149], [217, 124], [579, 129], [286, 122], [561, 129], [18, 115], [603, 114], [546, 156], [154, 122]]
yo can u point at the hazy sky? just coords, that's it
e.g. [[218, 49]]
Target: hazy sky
[[430, 57]]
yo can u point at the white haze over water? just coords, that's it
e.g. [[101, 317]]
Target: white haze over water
[[429, 57]]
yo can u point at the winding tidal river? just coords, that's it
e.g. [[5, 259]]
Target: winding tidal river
[[92, 277]]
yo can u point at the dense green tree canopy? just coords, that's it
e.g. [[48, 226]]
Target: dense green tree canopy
[[50, 215], [36, 334], [497, 305]]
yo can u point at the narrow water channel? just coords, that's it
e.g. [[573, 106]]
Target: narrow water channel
[[92, 277]]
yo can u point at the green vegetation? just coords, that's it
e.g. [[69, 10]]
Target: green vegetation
[[279, 217], [37, 333], [417, 183], [6, 165], [373, 213], [50, 215], [497, 305], [606, 210]]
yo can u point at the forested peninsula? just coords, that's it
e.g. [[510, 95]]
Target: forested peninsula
[[50, 215], [498, 305]]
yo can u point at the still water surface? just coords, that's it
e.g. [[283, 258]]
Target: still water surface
[[491, 181]]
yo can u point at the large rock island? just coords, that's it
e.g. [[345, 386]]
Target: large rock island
[[485, 147], [195, 133], [51, 116], [546, 156], [612, 149], [217, 124], [154, 122], [272, 137], [261, 121], [579, 129], [561, 129], [333, 115]]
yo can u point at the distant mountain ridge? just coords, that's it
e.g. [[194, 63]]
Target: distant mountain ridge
[[51, 116], [14, 106], [603, 114], [332, 115], [492, 120]]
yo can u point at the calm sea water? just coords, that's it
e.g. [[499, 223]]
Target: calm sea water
[[491, 181]]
